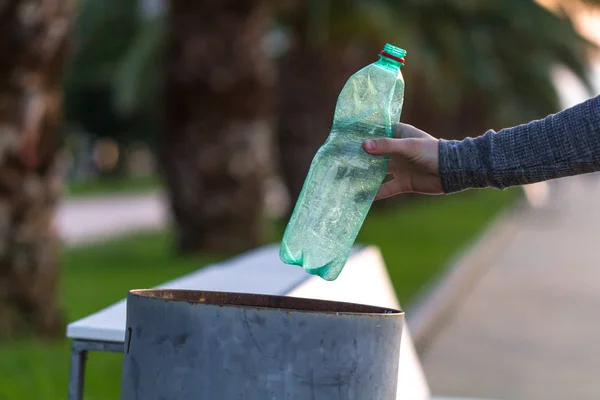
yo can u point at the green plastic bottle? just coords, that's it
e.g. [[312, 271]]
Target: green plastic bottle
[[343, 179]]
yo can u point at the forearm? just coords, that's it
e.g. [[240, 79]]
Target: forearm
[[562, 144]]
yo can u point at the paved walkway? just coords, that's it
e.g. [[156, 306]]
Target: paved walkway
[[85, 220], [530, 327]]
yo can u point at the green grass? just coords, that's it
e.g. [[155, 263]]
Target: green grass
[[93, 277], [416, 240], [108, 186]]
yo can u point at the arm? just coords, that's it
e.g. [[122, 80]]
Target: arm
[[562, 144]]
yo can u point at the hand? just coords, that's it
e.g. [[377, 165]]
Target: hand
[[414, 162]]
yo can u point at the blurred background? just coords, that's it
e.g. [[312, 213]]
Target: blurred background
[[143, 139]]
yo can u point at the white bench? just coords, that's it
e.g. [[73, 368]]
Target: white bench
[[364, 280]]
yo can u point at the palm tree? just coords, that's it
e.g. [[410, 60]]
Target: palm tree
[[34, 38], [484, 64], [470, 65], [215, 146], [196, 75], [461, 77]]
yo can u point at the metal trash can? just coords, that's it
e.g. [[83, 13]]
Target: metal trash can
[[199, 345]]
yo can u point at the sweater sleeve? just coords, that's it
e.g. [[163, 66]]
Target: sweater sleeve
[[562, 144]]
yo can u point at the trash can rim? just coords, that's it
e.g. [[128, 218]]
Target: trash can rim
[[262, 301]]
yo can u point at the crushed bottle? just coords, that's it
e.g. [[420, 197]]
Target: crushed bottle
[[343, 179]]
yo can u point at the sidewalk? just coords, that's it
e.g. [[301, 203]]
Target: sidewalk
[[85, 220], [530, 327]]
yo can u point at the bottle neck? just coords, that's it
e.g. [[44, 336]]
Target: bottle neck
[[389, 63]]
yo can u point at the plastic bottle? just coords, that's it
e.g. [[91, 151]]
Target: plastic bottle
[[343, 179]]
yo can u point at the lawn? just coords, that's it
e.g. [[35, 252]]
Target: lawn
[[416, 240]]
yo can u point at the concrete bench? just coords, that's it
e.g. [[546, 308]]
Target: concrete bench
[[364, 280]]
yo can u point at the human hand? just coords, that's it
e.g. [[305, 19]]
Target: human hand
[[414, 162]]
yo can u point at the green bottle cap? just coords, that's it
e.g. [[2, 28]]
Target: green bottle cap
[[393, 52]]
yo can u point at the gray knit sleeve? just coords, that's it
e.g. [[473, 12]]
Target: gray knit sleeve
[[562, 144]]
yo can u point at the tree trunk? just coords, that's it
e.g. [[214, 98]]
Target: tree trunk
[[33, 50], [215, 149]]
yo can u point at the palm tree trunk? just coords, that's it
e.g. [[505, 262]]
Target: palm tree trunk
[[33, 50], [215, 149]]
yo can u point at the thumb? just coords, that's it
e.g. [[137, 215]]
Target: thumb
[[408, 148]]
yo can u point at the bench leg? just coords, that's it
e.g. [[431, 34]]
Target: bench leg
[[79, 353], [77, 371]]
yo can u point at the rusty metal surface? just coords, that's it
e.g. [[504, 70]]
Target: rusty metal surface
[[262, 301], [183, 344]]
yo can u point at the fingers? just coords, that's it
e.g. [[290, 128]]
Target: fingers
[[417, 183], [389, 189], [408, 148], [404, 131]]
